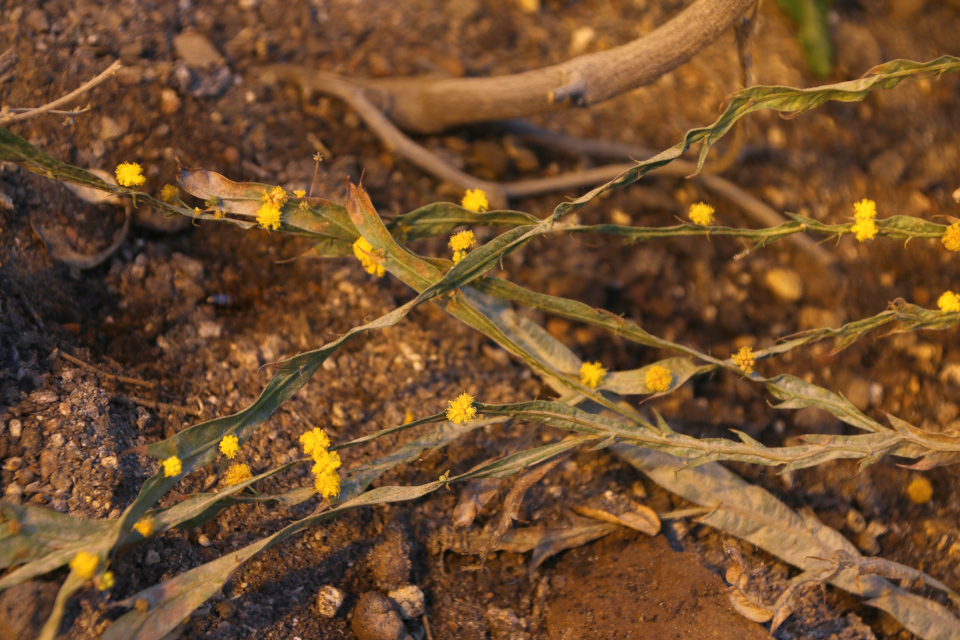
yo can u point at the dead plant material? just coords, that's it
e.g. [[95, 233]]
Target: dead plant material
[[511, 504], [474, 496], [6, 118], [431, 105]]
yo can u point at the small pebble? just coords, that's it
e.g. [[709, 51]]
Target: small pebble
[[329, 601], [410, 599], [920, 491], [151, 558], [375, 619], [16, 428], [785, 284]]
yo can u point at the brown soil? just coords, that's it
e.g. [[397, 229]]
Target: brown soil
[[197, 312]]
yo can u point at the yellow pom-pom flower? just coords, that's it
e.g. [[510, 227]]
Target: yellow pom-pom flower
[[325, 462], [84, 564], [168, 193], [475, 200], [299, 193], [949, 302], [658, 378], [460, 242], [951, 237], [144, 526], [314, 441], [745, 359], [107, 581], [268, 216], [864, 214], [328, 485], [592, 374], [130, 174], [920, 491], [865, 229], [229, 446], [701, 213], [865, 210], [172, 467], [364, 252], [461, 409], [236, 474]]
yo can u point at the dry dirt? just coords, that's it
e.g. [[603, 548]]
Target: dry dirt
[[194, 312]]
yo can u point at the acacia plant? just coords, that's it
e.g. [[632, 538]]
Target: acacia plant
[[588, 399]]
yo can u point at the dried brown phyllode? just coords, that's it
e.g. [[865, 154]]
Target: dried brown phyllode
[[389, 561]]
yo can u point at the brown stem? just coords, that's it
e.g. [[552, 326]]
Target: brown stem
[[429, 105]]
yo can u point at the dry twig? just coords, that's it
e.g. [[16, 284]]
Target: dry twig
[[429, 105], [50, 106]]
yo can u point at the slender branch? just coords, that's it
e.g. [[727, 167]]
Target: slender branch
[[50, 106], [429, 105]]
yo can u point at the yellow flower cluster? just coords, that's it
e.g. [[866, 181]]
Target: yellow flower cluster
[[144, 526], [129, 174], [745, 359], [701, 213], [299, 193], [168, 193], [236, 474], [658, 378], [461, 409], [106, 581], [268, 215], [460, 242], [864, 212], [951, 237], [316, 444], [84, 564], [475, 200], [592, 374], [229, 446], [949, 302], [364, 252], [172, 467], [920, 491]]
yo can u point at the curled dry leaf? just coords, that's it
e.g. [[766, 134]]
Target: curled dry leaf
[[474, 496], [59, 247], [95, 196], [641, 518], [748, 608]]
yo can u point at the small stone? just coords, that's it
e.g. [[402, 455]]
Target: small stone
[[785, 284], [12, 464], [44, 397], [329, 600], [169, 102], [24, 608], [203, 540], [197, 51], [375, 619], [410, 599], [151, 558], [857, 391], [505, 624], [16, 428], [110, 129], [48, 464], [37, 20]]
